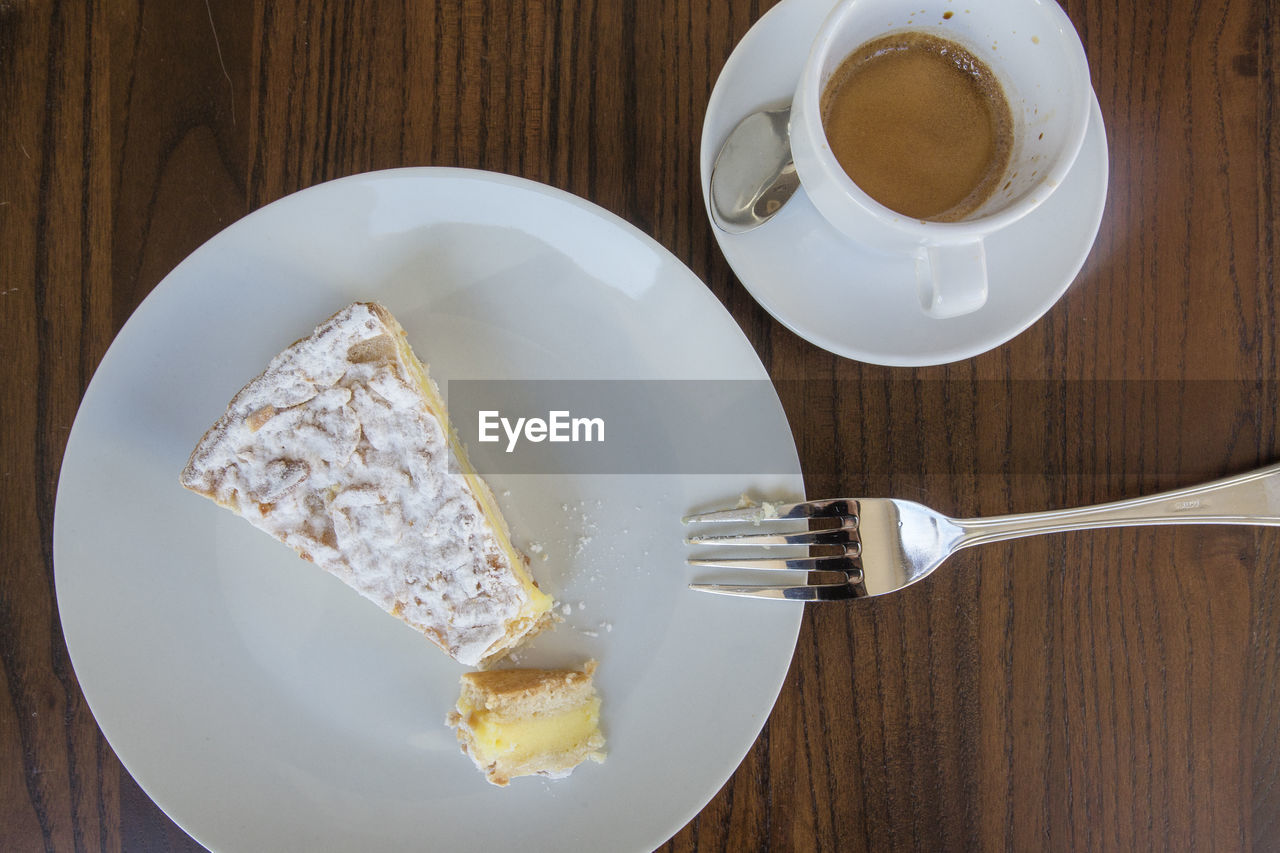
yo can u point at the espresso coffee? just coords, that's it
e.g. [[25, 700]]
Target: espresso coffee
[[920, 124]]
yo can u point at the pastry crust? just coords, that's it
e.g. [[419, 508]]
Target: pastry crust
[[342, 450]]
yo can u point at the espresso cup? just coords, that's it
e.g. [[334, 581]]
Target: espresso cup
[[1032, 49]]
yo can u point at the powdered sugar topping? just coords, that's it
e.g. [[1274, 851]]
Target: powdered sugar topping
[[333, 451]]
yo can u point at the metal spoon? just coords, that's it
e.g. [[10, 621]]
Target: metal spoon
[[754, 175]]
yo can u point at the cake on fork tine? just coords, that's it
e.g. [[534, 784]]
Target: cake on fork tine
[[342, 450]]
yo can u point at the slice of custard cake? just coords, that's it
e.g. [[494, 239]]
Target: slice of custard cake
[[525, 722], [342, 450]]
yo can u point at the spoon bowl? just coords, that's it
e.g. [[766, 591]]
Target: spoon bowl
[[754, 174]]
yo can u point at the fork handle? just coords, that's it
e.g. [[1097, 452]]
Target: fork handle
[[1251, 498]]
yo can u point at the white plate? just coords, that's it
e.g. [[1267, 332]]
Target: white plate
[[262, 704], [859, 302]]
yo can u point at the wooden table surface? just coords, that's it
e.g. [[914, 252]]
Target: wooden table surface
[[1102, 691]]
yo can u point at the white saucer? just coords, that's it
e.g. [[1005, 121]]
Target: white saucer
[[860, 302]]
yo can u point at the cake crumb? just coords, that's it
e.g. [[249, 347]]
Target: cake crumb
[[766, 509]]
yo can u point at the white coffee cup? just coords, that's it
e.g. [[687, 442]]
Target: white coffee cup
[[1033, 50]]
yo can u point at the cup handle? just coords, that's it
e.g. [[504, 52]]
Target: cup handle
[[951, 278]]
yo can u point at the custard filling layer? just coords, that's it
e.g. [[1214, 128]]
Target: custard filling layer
[[518, 740]]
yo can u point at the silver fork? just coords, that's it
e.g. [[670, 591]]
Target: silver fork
[[880, 545]]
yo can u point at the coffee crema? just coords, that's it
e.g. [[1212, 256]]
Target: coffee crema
[[920, 124]]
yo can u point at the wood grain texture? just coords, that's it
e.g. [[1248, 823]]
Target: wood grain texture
[[1107, 691]]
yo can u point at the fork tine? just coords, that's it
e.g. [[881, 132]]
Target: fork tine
[[807, 592], [834, 563], [846, 534], [749, 514], [769, 512]]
